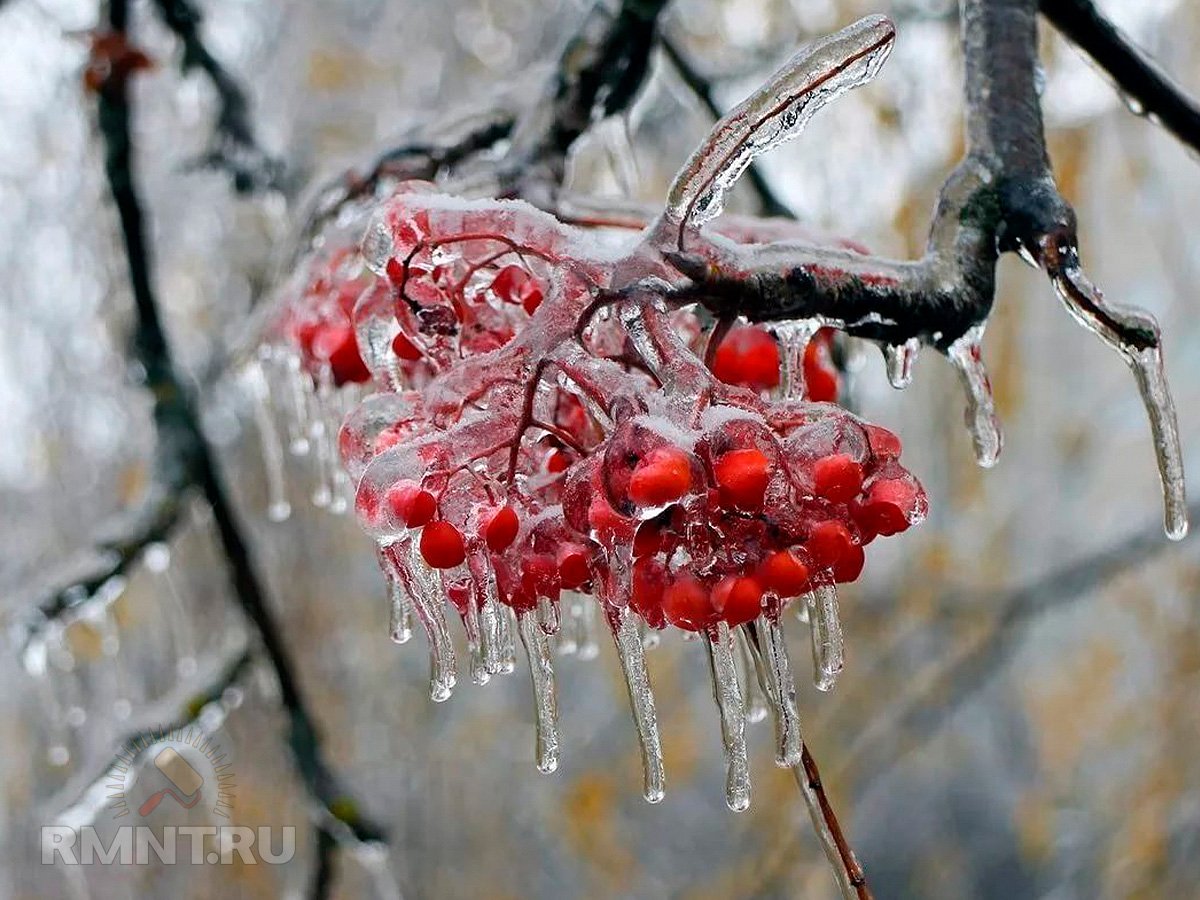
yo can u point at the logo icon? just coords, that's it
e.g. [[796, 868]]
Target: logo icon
[[171, 770]]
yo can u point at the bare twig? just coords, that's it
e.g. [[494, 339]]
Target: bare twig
[[1146, 89]]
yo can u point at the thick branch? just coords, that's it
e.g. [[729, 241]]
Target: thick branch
[[1145, 88]]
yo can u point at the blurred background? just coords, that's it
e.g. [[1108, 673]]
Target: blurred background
[[1018, 716]]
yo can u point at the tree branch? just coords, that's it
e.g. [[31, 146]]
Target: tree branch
[[1145, 87], [234, 147], [702, 88], [184, 457]]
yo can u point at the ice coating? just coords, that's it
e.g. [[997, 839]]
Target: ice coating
[[541, 672], [631, 655], [828, 645], [900, 359], [1088, 307], [777, 666], [981, 410], [775, 113], [728, 696]]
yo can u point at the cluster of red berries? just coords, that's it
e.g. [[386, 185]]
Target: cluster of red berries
[[689, 510]]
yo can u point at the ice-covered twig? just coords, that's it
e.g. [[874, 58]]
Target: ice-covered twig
[[1146, 89], [852, 880], [183, 457], [598, 74], [770, 204], [234, 147]]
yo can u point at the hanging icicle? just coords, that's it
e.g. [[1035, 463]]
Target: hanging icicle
[[825, 627], [728, 694], [631, 655], [545, 701], [981, 410]]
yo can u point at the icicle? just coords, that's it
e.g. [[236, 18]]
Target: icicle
[[425, 588], [753, 694], [1084, 301], [981, 411], [775, 113], [399, 604], [826, 628], [298, 386], [631, 655], [548, 615], [728, 695], [782, 690], [541, 671], [473, 626], [900, 361], [793, 338], [318, 428], [400, 618], [278, 508], [622, 159]]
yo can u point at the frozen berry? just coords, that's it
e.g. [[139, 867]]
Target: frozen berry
[[442, 545], [737, 599], [837, 478], [410, 504], [784, 574], [661, 477], [742, 476], [501, 529]]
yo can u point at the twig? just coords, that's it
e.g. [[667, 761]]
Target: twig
[[703, 89], [234, 146], [1144, 86], [852, 880], [117, 557], [184, 456]]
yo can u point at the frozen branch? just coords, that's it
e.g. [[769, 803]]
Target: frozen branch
[[184, 457], [1001, 198], [1146, 89], [234, 147], [703, 89]]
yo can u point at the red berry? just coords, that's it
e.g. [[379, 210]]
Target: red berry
[[573, 568], [837, 478], [501, 529], [828, 542], [648, 540], [743, 476], [784, 574], [405, 349], [557, 462], [649, 583], [820, 377], [749, 357], [410, 504], [850, 564], [737, 599], [686, 605], [888, 506], [661, 477], [442, 545], [338, 346], [881, 441]]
